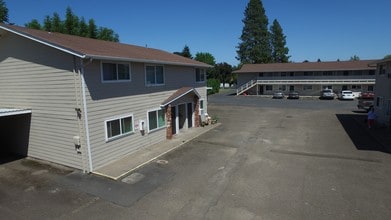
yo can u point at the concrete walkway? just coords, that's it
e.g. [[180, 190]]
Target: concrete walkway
[[142, 156]]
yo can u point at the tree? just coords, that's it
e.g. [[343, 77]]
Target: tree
[[205, 58], [185, 52], [387, 56], [255, 40], [92, 29], [107, 34], [354, 58], [223, 72], [33, 24], [47, 23], [74, 25], [278, 43], [3, 12], [56, 23], [83, 28]]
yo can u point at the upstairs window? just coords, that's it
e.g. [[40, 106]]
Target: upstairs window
[[114, 72], [154, 75], [200, 75]]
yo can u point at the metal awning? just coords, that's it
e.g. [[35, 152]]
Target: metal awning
[[13, 111]]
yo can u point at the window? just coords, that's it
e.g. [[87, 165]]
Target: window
[[379, 101], [370, 88], [154, 75], [112, 72], [156, 119], [201, 107], [282, 87], [307, 87], [356, 86], [269, 87], [200, 75], [371, 72], [119, 127], [388, 110], [382, 70]]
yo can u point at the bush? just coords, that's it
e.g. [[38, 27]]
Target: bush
[[215, 84]]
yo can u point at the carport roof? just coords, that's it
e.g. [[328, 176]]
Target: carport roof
[[13, 111]]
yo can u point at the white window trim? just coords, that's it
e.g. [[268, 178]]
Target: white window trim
[[145, 74], [115, 81], [200, 109], [120, 124], [201, 69], [158, 128]]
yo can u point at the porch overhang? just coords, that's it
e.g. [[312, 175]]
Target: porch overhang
[[179, 94]]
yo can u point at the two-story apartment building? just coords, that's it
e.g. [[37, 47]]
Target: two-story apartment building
[[383, 92], [84, 103], [307, 78]]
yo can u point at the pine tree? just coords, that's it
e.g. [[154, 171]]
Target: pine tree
[[185, 52], [255, 40], [278, 43], [3, 12]]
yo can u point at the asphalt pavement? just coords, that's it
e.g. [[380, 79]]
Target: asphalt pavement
[[269, 159]]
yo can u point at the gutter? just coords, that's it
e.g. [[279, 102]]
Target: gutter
[[144, 61], [83, 84]]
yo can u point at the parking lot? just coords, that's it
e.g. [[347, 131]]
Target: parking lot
[[269, 159]]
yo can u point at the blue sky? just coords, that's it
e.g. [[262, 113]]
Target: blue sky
[[324, 29]]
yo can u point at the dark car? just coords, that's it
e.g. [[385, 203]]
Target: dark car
[[278, 95], [293, 95], [365, 101]]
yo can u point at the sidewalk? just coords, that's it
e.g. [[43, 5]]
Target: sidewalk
[[143, 156]]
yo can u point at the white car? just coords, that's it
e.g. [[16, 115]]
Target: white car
[[346, 95]]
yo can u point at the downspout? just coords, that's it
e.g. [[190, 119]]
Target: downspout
[[83, 86]]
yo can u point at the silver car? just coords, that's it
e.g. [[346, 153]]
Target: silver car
[[278, 95]]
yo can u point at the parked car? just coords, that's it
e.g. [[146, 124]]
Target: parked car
[[327, 94], [278, 95], [365, 101], [293, 95], [346, 95]]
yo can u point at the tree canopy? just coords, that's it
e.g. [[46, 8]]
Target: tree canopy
[[354, 58], [185, 52], [74, 25], [278, 43], [205, 58], [3, 12], [255, 39]]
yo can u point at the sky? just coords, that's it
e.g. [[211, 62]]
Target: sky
[[315, 29]]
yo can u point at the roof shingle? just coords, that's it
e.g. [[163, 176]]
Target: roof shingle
[[99, 49]]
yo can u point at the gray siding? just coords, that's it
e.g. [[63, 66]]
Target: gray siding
[[40, 78], [383, 92], [108, 100]]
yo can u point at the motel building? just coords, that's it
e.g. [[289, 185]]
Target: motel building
[[307, 78]]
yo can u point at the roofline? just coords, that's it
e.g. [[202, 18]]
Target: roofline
[[97, 57], [309, 69], [180, 96], [87, 56], [381, 61], [43, 42]]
